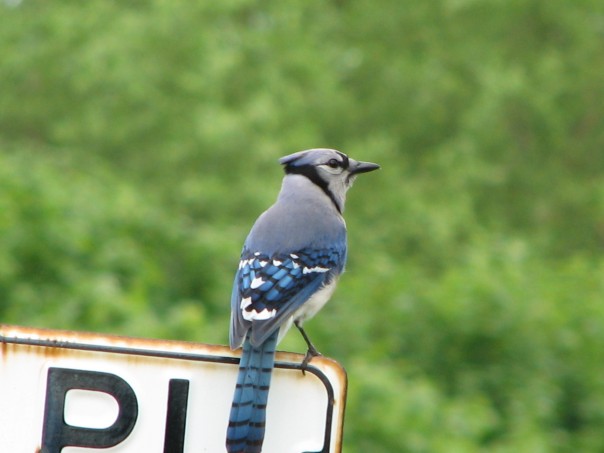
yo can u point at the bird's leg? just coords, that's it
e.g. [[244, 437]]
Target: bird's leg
[[311, 351]]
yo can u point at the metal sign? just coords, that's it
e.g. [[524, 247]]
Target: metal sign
[[72, 392]]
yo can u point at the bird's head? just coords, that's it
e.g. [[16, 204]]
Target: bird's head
[[331, 170]]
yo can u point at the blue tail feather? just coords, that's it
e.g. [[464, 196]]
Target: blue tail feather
[[245, 433]]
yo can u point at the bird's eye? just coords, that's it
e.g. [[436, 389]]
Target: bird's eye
[[333, 163]]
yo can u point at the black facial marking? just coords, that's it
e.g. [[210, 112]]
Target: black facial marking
[[345, 161], [310, 171]]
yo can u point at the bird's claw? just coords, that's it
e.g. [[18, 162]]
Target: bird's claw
[[310, 353]]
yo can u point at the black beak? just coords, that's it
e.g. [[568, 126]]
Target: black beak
[[357, 167]]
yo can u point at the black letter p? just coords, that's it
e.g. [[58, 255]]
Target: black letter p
[[57, 434]]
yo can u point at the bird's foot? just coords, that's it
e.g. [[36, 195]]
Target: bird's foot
[[310, 353]]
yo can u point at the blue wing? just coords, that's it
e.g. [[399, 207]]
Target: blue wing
[[270, 288]]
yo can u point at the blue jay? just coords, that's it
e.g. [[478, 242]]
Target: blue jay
[[289, 266]]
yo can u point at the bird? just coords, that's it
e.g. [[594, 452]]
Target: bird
[[288, 270]]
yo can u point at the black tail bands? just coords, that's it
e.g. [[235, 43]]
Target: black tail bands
[[245, 433]]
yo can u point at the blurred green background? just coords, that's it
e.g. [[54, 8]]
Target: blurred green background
[[139, 141]]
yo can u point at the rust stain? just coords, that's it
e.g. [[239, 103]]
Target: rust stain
[[9, 349], [62, 338]]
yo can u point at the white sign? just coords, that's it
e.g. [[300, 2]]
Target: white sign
[[73, 392]]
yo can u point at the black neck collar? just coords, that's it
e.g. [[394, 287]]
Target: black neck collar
[[310, 171]]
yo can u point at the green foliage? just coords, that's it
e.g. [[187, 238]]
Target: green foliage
[[138, 142]]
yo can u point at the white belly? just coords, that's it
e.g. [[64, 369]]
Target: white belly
[[310, 308]]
